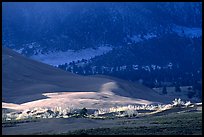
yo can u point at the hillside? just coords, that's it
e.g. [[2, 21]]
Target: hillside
[[156, 42]]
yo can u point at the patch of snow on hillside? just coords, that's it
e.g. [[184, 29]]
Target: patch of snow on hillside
[[19, 50], [140, 38], [187, 32], [60, 57], [150, 36], [136, 38]]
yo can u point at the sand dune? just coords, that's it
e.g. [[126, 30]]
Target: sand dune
[[26, 82]]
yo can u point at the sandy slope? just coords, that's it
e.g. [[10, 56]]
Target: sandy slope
[[26, 81]]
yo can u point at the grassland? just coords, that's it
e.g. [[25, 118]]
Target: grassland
[[175, 119], [172, 124]]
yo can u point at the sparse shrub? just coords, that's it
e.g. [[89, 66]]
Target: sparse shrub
[[168, 106], [76, 115], [121, 111], [178, 102], [4, 116], [96, 113], [188, 103], [103, 111], [56, 112], [159, 106], [131, 113]]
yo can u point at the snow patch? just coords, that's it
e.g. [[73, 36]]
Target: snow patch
[[19, 50], [60, 57], [187, 32], [140, 38], [136, 38], [150, 36]]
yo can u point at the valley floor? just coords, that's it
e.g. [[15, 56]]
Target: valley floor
[[183, 123]]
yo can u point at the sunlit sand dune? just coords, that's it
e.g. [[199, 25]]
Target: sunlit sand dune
[[29, 83]]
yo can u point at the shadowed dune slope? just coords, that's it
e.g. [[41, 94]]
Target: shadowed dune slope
[[22, 77]]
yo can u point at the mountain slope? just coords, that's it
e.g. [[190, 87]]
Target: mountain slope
[[132, 33], [86, 25]]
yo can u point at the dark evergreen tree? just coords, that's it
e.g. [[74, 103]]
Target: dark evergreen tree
[[83, 112], [191, 94], [177, 88], [164, 90]]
